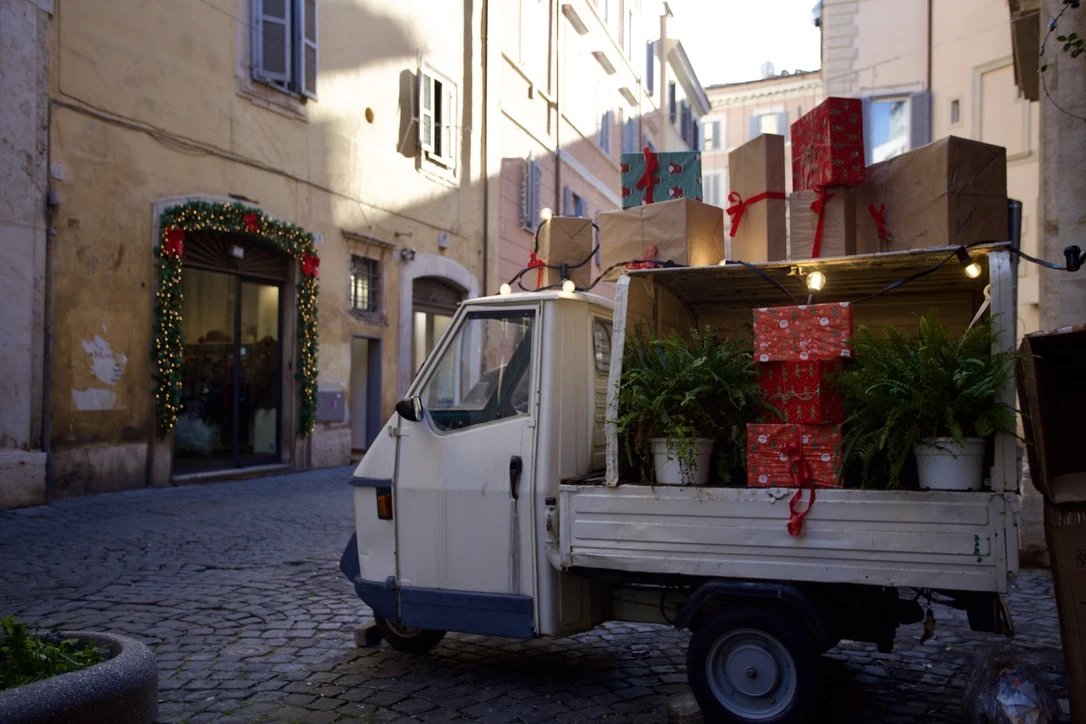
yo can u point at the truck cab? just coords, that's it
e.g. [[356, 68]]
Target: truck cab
[[451, 498]]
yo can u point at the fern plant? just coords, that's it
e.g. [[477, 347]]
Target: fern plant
[[902, 390], [683, 390], [27, 657]]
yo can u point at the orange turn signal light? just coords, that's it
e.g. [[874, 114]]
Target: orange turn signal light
[[384, 503]]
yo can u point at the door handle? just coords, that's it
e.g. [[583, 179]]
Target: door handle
[[516, 467]]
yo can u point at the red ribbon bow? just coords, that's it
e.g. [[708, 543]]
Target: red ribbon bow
[[175, 242], [252, 221], [648, 180], [880, 222], [310, 265], [739, 206], [534, 262], [819, 207], [646, 261], [800, 470]]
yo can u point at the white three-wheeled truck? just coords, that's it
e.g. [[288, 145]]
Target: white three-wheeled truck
[[495, 500]]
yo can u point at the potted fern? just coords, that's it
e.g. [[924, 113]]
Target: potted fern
[[678, 397], [933, 396]]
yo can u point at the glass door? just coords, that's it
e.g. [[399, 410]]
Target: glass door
[[231, 381]]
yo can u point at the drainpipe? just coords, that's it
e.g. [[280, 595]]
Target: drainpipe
[[483, 152], [556, 20], [47, 352]]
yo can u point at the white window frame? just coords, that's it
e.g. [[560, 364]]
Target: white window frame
[[292, 80], [438, 127]]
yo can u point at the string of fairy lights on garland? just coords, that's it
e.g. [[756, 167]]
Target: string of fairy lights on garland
[[167, 351]]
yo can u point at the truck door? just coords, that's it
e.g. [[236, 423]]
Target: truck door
[[464, 480]]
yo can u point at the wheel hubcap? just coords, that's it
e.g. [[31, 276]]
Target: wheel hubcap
[[751, 674]]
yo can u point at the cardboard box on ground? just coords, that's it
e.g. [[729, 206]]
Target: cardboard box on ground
[[564, 240], [948, 193], [755, 169], [684, 231], [1052, 398]]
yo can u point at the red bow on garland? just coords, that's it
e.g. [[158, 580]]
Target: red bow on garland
[[646, 261], [800, 470], [252, 221], [534, 262], [819, 207], [880, 223], [175, 242], [739, 206], [310, 265], [648, 179]]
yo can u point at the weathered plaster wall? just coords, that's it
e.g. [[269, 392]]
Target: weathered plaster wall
[[23, 168], [154, 101]]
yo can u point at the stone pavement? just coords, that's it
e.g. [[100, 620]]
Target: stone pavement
[[236, 588]]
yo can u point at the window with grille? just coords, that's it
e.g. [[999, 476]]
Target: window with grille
[[284, 44], [364, 293]]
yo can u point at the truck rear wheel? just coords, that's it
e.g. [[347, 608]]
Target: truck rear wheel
[[750, 665], [408, 640]]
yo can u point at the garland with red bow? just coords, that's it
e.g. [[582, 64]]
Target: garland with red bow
[[168, 345]]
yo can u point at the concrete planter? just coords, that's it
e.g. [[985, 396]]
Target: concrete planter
[[121, 690]]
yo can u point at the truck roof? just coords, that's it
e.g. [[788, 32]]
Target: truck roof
[[546, 295]]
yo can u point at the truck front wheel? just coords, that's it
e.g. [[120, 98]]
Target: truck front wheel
[[408, 640], [752, 666]]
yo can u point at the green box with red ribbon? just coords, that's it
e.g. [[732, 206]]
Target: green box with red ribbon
[[649, 177], [804, 392]]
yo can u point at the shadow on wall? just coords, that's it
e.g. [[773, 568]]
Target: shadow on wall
[[375, 37]]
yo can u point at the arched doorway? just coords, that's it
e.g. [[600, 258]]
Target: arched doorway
[[433, 303], [232, 320]]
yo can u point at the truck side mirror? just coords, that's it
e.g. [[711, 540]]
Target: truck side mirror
[[410, 408]]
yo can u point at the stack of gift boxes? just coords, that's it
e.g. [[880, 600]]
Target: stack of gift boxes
[[799, 350]]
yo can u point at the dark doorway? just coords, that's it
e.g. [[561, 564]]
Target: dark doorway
[[365, 392]]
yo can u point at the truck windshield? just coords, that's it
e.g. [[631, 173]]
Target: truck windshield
[[484, 373]]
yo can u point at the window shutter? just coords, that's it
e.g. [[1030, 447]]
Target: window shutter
[[448, 123], [866, 107], [307, 48], [650, 68], [271, 40], [920, 122], [716, 135], [537, 193], [782, 124], [426, 111], [755, 126], [567, 201], [529, 214]]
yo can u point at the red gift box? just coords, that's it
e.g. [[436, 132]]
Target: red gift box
[[828, 145], [806, 332], [768, 462], [804, 392]]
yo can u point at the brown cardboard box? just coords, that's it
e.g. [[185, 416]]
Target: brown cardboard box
[[755, 168], [684, 231], [838, 224], [950, 192], [564, 240], [1052, 398], [1065, 531]]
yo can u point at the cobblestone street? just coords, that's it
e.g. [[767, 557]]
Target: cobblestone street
[[236, 588]]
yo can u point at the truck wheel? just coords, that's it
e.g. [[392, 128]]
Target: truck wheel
[[752, 666], [408, 640]]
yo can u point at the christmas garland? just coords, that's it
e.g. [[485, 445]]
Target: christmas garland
[[168, 348]]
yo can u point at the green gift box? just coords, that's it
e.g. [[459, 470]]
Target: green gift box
[[649, 177]]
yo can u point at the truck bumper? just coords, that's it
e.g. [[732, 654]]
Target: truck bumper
[[380, 596]]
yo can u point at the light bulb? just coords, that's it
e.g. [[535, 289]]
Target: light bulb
[[723, 262], [505, 290], [568, 286], [815, 281], [973, 270], [545, 213]]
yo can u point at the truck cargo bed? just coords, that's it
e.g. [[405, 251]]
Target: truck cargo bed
[[947, 540]]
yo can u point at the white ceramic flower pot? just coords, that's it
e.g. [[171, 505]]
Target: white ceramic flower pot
[[942, 464], [668, 470]]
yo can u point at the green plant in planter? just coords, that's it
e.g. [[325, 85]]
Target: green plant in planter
[[684, 390], [902, 390], [28, 657]]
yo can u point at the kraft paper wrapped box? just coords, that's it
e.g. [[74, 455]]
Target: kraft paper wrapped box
[[677, 175], [756, 205], [563, 240], [828, 145], [768, 463], [951, 192], [685, 231], [838, 235], [805, 332], [804, 392]]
